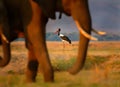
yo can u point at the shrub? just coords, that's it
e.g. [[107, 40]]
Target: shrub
[[62, 64], [91, 61]]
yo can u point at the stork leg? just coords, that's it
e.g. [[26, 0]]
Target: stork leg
[[63, 44]]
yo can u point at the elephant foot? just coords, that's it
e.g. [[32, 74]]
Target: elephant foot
[[30, 80], [49, 76], [30, 76], [31, 72], [48, 79]]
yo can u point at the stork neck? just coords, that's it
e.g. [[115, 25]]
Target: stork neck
[[58, 33]]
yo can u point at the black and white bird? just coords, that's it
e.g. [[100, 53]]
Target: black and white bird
[[63, 37]]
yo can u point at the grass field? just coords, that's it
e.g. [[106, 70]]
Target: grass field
[[102, 67]]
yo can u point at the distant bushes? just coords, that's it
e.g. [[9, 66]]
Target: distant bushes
[[74, 36]]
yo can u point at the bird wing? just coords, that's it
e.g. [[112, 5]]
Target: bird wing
[[65, 38]]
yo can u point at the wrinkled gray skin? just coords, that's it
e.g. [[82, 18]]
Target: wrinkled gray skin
[[30, 17]]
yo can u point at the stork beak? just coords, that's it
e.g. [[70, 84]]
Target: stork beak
[[56, 31]]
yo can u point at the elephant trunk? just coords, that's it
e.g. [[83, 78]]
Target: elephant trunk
[[81, 15], [82, 52], [6, 52]]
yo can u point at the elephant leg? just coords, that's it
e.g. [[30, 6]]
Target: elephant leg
[[37, 40], [4, 36], [32, 66], [36, 37]]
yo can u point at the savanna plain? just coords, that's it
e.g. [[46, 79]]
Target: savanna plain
[[102, 66]]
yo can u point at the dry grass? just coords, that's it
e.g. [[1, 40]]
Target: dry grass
[[102, 67]]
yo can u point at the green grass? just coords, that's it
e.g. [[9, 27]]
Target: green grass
[[101, 69], [64, 79], [88, 77], [92, 61], [62, 64]]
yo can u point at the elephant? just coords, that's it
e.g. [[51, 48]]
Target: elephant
[[31, 17], [25, 16], [79, 10], [6, 34]]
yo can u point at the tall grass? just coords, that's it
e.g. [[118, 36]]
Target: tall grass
[[62, 64], [102, 66]]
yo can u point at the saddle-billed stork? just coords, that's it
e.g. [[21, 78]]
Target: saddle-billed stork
[[63, 37]]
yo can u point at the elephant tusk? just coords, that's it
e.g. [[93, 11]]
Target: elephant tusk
[[4, 38], [85, 33], [99, 32]]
